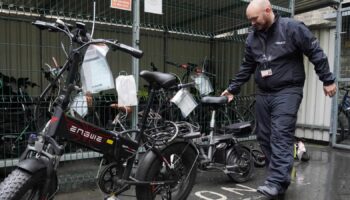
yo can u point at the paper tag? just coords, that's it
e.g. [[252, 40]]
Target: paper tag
[[185, 101], [266, 73]]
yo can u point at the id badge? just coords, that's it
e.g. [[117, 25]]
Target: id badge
[[266, 73]]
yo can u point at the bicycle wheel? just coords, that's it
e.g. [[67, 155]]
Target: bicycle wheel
[[259, 158], [305, 157], [240, 165], [182, 159], [21, 185], [343, 126]]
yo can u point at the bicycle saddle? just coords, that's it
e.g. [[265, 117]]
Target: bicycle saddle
[[162, 80], [214, 100], [241, 129]]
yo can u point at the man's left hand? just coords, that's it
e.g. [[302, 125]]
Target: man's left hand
[[330, 90]]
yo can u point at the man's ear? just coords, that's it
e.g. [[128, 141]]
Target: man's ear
[[268, 10]]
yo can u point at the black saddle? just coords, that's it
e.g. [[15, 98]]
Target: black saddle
[[159, 79], [241, 129], [214, 100]]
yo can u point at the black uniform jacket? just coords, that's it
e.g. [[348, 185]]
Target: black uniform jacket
[[278, 54]]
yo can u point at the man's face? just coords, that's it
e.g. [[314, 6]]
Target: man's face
[[258, 19]]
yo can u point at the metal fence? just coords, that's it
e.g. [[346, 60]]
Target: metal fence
[[342, 62], [205, 31]]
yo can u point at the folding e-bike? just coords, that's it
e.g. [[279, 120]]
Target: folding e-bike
[[166, 170]]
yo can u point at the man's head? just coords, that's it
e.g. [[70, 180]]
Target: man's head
[[260, 14]]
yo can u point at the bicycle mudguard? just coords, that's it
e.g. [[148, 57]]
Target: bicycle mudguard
[[150, 156], [33, 165]]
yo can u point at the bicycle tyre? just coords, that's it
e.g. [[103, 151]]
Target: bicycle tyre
[[343, 127], [155, 170], [21, 185], [259, 158], [305, 157], [242, 163]]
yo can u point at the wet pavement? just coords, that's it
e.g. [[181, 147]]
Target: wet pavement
[[325, 177]]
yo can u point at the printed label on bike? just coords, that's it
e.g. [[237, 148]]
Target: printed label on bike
[[86, 134], [109, 141]]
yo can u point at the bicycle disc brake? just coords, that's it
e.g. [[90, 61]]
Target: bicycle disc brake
[[109, 178]]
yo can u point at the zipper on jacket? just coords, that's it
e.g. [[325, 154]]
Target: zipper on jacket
[[264, 44]]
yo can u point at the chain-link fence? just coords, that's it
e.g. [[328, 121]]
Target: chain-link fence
[[204, 33]]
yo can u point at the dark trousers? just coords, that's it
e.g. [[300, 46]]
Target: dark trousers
[[276, 117]]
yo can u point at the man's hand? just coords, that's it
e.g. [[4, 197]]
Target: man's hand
[[229, 95], [330, 90]]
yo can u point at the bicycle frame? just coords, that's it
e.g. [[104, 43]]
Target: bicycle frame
[[212, 137]]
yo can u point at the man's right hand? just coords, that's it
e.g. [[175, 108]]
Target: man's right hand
[[228, 95]]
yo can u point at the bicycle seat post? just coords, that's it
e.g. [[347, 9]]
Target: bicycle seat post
[[211, 134], [214, 103]]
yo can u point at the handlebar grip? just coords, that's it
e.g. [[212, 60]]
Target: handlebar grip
[[130, 50], [186, 85], [171, 63], [44, 25]]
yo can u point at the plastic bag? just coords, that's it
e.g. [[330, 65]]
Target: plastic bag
[[203, 85], [185, 101], [126, 89], [95, 74]]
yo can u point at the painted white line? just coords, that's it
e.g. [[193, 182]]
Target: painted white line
[[200, 195], [243, 188]]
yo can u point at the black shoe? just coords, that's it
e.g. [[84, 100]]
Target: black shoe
[[269, 191], [282, 189]]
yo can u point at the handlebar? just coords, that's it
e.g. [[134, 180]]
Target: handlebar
[[191, 67], [130, 50], [80, 36], [46, 25]]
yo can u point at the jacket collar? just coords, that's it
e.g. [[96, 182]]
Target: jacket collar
[[271, 28]]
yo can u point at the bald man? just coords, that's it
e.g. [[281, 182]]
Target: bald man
[[274, 53]]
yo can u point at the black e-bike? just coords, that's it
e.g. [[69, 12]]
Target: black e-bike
[[165, 170]]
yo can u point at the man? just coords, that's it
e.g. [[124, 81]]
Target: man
[[274, 53]]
